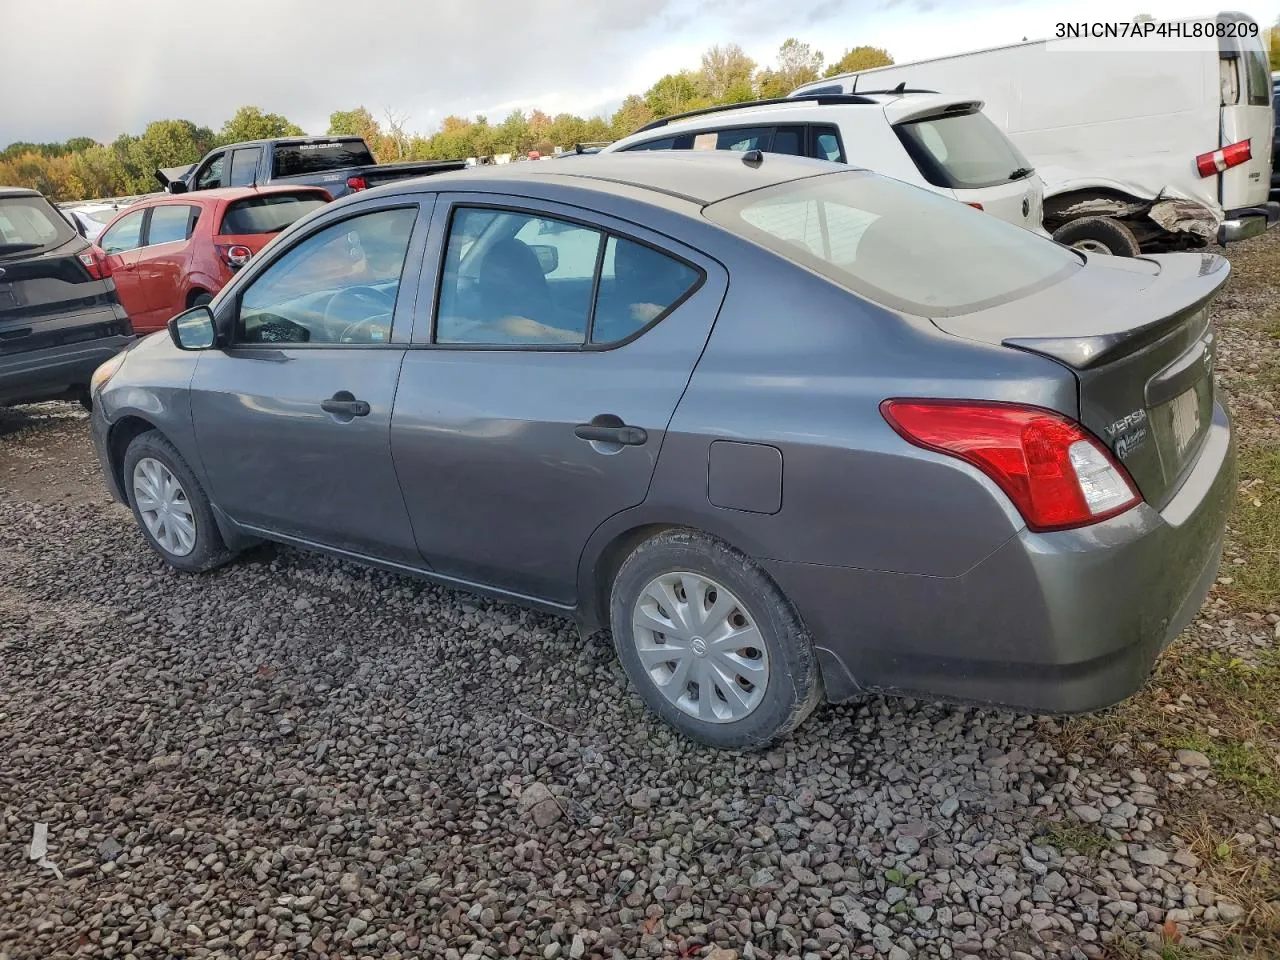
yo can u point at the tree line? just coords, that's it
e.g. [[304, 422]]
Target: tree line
[[82, 168]]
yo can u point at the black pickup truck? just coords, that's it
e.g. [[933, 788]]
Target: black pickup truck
[[340, 165]]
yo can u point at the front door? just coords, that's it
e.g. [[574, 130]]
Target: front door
[[535, 408], [122, 243], [293, 418]]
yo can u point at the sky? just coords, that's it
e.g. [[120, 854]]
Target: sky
[[121, 63]]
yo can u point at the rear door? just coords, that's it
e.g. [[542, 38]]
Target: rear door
[[43, 283], [122, 243], [532, 414], [1246, 115], [163, 261], [244, 167]]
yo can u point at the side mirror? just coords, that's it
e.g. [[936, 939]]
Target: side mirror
[[548, 256], [176, 186], [193, 330]]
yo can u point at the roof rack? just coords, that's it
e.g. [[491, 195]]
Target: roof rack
[[821, 99], [900, 88]]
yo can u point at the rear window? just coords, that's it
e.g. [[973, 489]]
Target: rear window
[[962, 151], [29, 223], [295, 159], [268, 214], [1258, 70], [898, 245]]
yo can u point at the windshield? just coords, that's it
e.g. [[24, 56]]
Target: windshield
[[868, 234], [29, 223], [294, 159], [268, 214], [962, 151]]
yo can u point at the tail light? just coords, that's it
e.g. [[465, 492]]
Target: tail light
[[235, 255], [96, 262], [1213, 163], [1056, 473], [357, 183], [974, 204]]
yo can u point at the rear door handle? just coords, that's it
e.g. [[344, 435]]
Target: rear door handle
[[344, 405], [627, 436]]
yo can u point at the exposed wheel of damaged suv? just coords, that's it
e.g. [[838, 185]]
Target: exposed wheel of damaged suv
[[1098, 235]]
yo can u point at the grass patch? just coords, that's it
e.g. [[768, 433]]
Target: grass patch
[[1078, 837], [1240, 763], [1256, 525]]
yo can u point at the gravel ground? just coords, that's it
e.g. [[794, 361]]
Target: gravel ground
[[295, 756]]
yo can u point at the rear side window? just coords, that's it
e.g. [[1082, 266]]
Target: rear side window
[[743, 138], [29, 223], [297, 159], [826, 144], [864, 232], [169, 223], [268, 214], [244, 164], [962, 151]]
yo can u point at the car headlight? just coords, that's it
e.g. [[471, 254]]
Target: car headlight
[[105, 372]]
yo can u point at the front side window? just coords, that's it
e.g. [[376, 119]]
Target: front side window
[[517, 279], [210, 178], [169, 224], [125, 235], [750, 138], [863, 233], [338, 286]]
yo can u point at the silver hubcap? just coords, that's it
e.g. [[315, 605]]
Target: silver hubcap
[[1092, 246], [164, 507], [700, 647]]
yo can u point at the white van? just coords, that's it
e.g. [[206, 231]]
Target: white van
[[944, 144], [1159, 150]]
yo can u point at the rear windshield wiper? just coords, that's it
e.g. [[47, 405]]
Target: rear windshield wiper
[[18, 247], [1021, 172]]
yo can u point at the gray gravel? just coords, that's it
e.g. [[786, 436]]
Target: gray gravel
[[296, 756]]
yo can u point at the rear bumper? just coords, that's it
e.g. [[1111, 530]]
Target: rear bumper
[[1248, 222], [1064, 622], [55, 372]]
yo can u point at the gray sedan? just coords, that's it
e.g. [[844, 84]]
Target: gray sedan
[[791, 433]]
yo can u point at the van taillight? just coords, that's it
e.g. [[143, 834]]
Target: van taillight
[[95, 261], [357, 183], [1212, 164]]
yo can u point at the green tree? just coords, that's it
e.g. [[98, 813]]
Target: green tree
[[797, 63], [633, 114], [676, 93], [250, 123], [726, 74], [1275, 46], [100, 172], [860, 58], [354, 123]]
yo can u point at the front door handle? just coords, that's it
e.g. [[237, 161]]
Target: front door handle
[[625, 435], [343, 404]]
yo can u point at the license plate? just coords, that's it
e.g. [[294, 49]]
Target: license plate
[[1185, 410]]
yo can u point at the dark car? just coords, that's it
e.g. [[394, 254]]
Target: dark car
[[59, 315], [338, 165], [741, 409]]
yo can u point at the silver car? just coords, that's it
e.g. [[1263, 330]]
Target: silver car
[[793, 432]]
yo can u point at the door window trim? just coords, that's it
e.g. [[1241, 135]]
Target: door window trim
[[228, 315], [442, 223]]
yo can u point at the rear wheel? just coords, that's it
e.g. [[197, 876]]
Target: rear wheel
[[170, 506], [710, 642], [199, 299], [1098, 235]]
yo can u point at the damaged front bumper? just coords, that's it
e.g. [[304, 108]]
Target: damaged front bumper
[[1248, 222]]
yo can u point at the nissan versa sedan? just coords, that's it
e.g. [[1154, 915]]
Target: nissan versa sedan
[[793, 432]]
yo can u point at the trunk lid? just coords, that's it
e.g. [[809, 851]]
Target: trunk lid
[[1136, 334]]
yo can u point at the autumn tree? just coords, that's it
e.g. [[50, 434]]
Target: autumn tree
[[860, 58], [250, 123], [797, 63]]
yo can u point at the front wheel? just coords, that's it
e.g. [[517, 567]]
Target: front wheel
[[710, 642], [1098, 235], [170, 506]]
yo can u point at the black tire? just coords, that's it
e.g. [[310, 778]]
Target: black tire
[[1098, 235], [793, 688], [200, 299], [84, 399], [209, 550]]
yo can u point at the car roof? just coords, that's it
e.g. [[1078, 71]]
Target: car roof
[[701, 176], [19, 192]]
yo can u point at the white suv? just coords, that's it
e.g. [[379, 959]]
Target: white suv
[[937, 142]]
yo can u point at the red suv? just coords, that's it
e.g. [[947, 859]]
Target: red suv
[[173, 252]]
